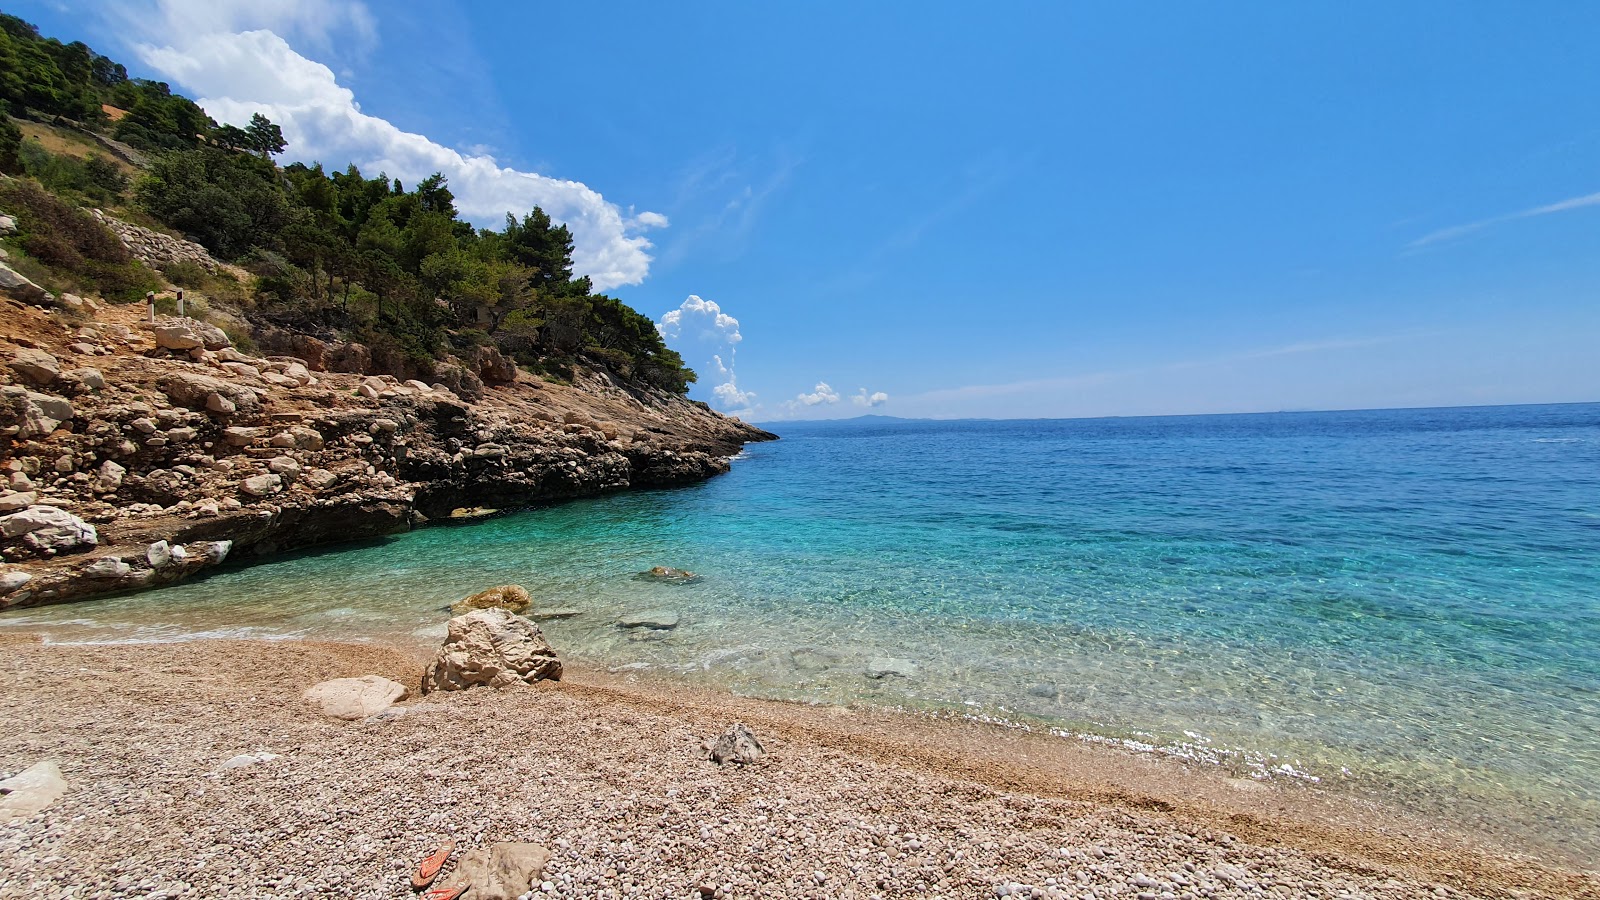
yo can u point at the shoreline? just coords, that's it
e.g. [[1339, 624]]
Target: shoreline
[[244, 696]]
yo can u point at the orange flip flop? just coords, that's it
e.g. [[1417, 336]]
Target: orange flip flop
[[428, 870], [449, 892]]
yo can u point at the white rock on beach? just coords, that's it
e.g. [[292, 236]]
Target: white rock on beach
[[31, 791], [356, 698]]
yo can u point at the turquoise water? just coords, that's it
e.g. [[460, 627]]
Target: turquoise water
[[1405, 602]]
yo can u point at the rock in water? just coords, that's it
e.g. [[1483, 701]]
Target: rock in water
[[494, 647], [504, 871], [356, 698], [659, 619], [890, 667], [29, 792], [507, 596], [737, 744], [667, 573]]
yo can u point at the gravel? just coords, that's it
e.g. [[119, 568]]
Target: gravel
[[196, 770]]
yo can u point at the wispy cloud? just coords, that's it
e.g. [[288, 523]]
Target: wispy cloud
[[1092, 379], [1457, 231]]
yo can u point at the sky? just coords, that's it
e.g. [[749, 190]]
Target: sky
[[1033, 209]]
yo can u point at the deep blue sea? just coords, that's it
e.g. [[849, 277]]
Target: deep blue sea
[[1399, 602]]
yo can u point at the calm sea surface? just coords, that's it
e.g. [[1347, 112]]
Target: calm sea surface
[[1398, 602]]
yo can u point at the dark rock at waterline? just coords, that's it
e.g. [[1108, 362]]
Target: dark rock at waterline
[[657, 619]]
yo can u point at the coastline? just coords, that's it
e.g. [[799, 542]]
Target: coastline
[[878, 802]]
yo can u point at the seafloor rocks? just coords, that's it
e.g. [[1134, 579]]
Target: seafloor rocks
[[356, 698], [513, 597], [890, 667], [31, 791], [667, 573], [493, 647], [501, 871], [656, 619], [738, 744], [49, 528]]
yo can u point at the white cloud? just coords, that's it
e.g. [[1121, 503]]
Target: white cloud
[[727, 392], [1455, 231], [821, 394], [712, 320], [240, 72], [876, 398]]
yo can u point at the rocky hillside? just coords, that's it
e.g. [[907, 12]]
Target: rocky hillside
[[136, 454]]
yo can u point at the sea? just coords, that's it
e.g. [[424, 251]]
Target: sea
[[1399, 604]]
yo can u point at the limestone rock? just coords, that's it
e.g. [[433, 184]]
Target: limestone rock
[[211, 337], [659, 619], [502, 871], [667, 573], [158, 554], [8, 225], [237, 436], [262, 485], [11, 581], [14, 283], [108, 567], [15, 501], [507, 596], [320, 479], [177, 336], [220, 405], [738, 744], [493, 647], [110, 480], [36, 366], [49, 528], [284, 466], [192, 390], [356, 698], [89, 377], [31, 791], [35, 415]]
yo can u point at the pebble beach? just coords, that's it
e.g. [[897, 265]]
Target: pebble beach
[[197, 769]]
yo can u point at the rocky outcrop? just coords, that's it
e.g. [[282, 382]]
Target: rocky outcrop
[[14, 284], [494, 648], [261, 454], [355, 698], [511, 597]]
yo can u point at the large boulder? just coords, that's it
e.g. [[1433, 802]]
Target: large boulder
[[356, 698], [737, 745], [177, 336], [14, 283], [493, 647], [192, 390], [34, 415], [493, 366], [49, 528], [513, 597], [36, 366], [462, 383]]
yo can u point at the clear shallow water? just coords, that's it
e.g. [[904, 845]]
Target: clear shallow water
[[1403, 601]]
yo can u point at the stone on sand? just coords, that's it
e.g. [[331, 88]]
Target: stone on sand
[[738, 744], [31, 791], [493, 647], [356, 698]]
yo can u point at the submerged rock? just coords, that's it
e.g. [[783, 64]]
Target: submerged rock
[[890, 667], [667, 573], [513, 597], [659, 619], [493, 647], [356, 698], [738, 744]]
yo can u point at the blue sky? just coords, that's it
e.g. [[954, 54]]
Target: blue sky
[[1042, 209]]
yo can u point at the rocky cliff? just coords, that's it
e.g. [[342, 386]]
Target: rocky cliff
[[134, 454]]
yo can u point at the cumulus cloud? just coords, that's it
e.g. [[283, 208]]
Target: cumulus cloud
[[234, 57], [876, 398], [703, 325], [702, 314], [819, 395]]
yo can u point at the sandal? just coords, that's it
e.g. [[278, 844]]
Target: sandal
[[428, 869], [448, 892]]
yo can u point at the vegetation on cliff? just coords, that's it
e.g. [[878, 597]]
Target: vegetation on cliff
[[332, 251]]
